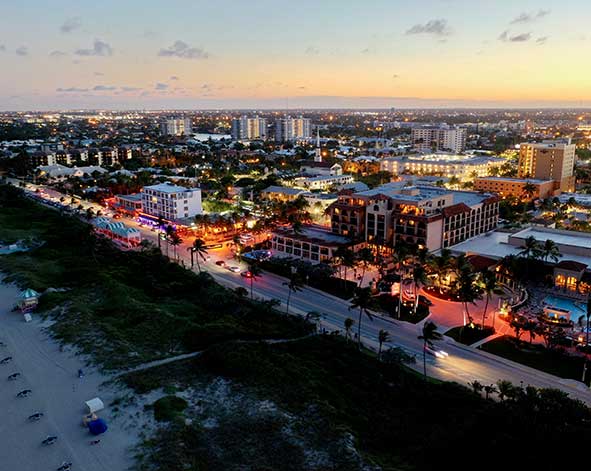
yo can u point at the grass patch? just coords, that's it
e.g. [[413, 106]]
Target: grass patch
[[169, 408], [469, 335], [555, 362]]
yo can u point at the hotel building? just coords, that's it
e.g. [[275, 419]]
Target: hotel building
[[171, 202]]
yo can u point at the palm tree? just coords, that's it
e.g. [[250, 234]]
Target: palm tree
[[255, 272], [476, 386], [363, 301], [294, 285], [364, 257], [505, 389], [530, 250], [197, 250], [528, 191], [488, 390], [419, 278], [168, 231], [175, 241], [550, 250], [348, 326], [429, 336], [383, 337], [399, 258], [159, 228], [490, 286], [440, 266], [468, 291]]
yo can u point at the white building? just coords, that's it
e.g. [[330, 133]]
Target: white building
[[292, 129], [464, 167], [245, 128], [171, 202], [430, 138], [176, 127], [323, 183]]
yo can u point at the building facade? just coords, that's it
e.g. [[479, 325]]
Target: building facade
[[245, 128], [515, 187], [292, 129], [176, 127], [549, 160], [432, 138], [171, 202]]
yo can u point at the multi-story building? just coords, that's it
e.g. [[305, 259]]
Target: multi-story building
[[292, 129], [549, 160], [171, 202], [323, 182], [426, 216], [176, 127], [515, 187], [245, 128], [433, 138], [464, 167]]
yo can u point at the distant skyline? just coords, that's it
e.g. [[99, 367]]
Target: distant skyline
[[283, 54]]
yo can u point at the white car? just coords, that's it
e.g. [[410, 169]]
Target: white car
[[436, 352], [234, 269]]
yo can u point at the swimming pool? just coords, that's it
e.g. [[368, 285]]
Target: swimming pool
[[574, 308]]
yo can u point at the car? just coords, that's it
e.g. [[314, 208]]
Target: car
[[220, 263], [234, 269], [437, 353], [246, 274], [213, 246]]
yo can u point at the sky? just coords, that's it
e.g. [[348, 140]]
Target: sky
[[197, 54]]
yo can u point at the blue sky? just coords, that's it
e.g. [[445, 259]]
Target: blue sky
[[324, 53]]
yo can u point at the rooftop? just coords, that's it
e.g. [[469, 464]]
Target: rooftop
[[169, 188], [515, 180], [314, 235]]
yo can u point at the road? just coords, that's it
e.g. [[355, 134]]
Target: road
[[464, 364]]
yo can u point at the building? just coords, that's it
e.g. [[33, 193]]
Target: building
[[176, 127], [171, 202], [281, 193], [311, 243], [515, 187], [433, 138], [549, 160], [464, 167], [426, 216], [245, 128], [323, 182], [317, 168], [292, 129], [129, 204]]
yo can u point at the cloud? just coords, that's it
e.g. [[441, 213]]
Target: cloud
[[71, 90], [150, 34], [160, 86], [104, 88], [542, 40], [22, 51], [435, 27], [184, 51], [57, 54], [505, 36], [100, 48], [71, 24], [312, 51], [530, 17], [99, 74], [2, 48], [174, 77], [130, 89]]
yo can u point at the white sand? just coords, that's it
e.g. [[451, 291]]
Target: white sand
[[60, 395]]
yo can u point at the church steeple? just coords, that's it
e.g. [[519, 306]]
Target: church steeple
[[318, 154]]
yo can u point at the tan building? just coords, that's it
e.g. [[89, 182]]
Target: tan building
[[506, 187], [549, 160]]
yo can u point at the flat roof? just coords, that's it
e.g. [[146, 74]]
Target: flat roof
[[168, 188], [496, 245], [572, 238], [516, 180], [314, 234]]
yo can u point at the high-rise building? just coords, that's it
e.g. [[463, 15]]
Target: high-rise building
[[433, 138], [176, 127], [245, 128], [549, 160], [292, 129]]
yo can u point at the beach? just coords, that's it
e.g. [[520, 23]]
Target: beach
[[57, 391]]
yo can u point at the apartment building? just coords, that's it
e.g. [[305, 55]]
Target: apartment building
[[292, 129], [171, 202], [464, 167], [549, 160], [427, 216], [246, 128], [323, 182], [515, 187], [176, 127], [432, 138]]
